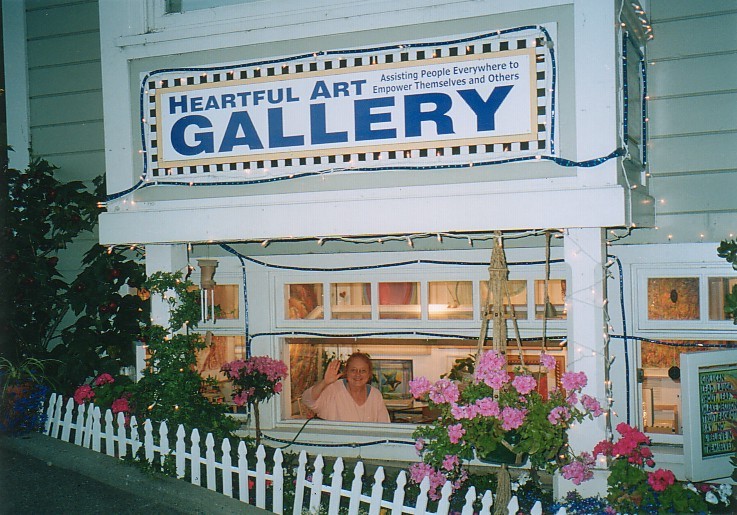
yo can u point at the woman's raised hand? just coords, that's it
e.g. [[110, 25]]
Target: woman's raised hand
[[332, 372]]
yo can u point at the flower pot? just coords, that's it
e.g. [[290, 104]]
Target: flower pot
[[20, 409], [504, 454]]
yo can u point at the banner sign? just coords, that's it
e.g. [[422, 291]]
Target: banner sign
[[484, 99]]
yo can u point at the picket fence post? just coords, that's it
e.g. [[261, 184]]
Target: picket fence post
[[49, 414], [164, 450], [109, 434], [377, 492], [194, 457], [180, 452], [261, 477], [57, 417], [210, 461], [421, 504], [335, 487], [227, 468], [356, 487], [122, 435], [398, 500], [277, 482], [96, 429], [79, 426], [67, 423], [316, 484], [243, 493], [299, 487]]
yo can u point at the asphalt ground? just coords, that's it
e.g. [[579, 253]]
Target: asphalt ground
[[41, 475]]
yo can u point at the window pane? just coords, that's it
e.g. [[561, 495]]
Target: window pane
[[226, 301], [719, 287], [673, 298], [223, 349], [450, 300], [303, 301], [400, 300], [350, 301], [556, 294], [517, 293]]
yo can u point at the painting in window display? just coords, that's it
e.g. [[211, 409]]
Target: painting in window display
[[399, 300], [450, 300], [517, 295], [220, 349], [556, 294], [303, 301], [392, 377], [673, 298], [719, 287], [350, 301]]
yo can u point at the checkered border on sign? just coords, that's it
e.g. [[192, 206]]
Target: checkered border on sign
[[345, 60]]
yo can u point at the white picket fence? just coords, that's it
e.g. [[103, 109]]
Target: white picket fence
[[87, 427]]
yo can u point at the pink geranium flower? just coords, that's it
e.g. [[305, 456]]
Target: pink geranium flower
[[547, 361], [524, 384], [579, 470], [512, 418], [419, 387], [444, 392], [574, 380], [455, 433], [120, 405]]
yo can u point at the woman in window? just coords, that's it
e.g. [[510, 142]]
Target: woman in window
[[351, 399]]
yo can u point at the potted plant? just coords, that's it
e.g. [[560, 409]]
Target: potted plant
[[23, 392], [255, 379], [499, 417]]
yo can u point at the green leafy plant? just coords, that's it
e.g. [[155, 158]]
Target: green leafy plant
[[171, 389], [42, 216]]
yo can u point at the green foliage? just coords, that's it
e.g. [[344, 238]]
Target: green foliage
[[110, 320], [728, 250], [171, 389], [42, 216]]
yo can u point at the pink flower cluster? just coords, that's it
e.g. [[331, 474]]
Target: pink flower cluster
[[547, 361], [444, 391], [524, 384], [419, 471], [580, 469], [572, 381], [631, 446], [103, 379], [256, 378], [591, 404], [512, 418], [492, 369], [559, 414], [273, 369]]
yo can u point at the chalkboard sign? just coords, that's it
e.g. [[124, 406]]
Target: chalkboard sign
[[718, 402], [709, 398]]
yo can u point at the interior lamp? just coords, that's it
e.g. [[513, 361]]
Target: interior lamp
[[207, 288]]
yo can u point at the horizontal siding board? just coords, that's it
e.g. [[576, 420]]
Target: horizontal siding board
[[68, 49], [71, 108], [705, 192], [63, 139], [693, 75], [709, 113], [34, 5], [65, 79], [667, 9], [694, 36], [67, 19], [83, 166], [693, 153]]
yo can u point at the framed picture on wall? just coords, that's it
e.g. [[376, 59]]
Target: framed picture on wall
[[392, 377]]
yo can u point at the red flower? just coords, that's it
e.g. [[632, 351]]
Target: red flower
[[660, 479], [84, 393]]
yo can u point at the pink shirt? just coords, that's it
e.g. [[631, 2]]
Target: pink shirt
[[336, 403]]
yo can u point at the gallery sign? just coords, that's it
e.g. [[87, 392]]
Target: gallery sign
[[486, 98]]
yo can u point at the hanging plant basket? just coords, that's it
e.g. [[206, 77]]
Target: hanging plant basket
[[504, 453]]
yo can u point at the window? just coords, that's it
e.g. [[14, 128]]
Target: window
[[661, 385], [395, 363], [221, 349], [450, 300], [350, 301], [673, 298], [557, 296], [399, 300], [304, 301], [517, 295], [718, 289]]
